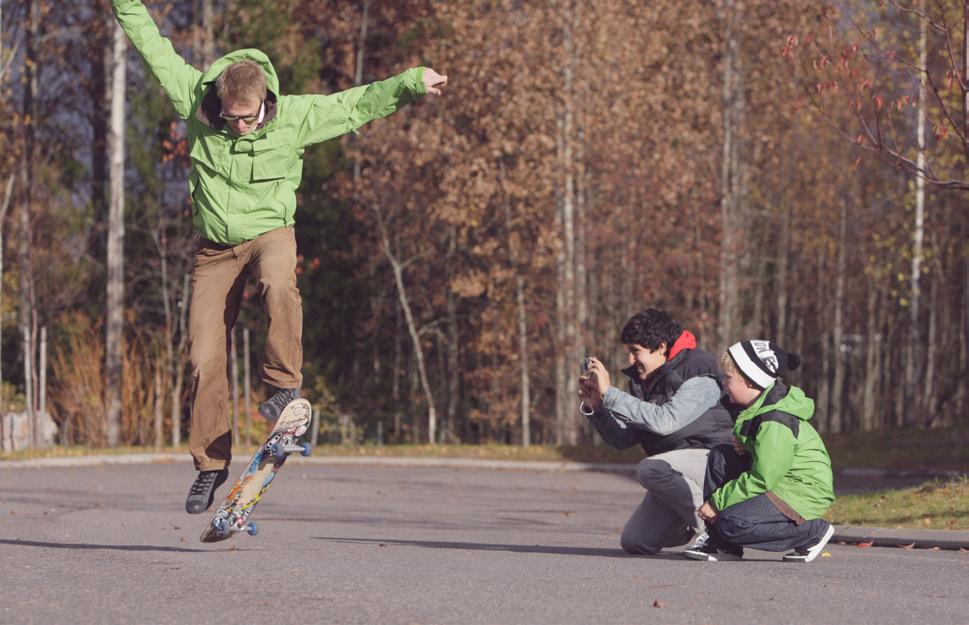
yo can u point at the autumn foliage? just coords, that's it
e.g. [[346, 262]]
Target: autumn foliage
[[587, 160]]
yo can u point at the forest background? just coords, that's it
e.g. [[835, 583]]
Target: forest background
[[779, 169]]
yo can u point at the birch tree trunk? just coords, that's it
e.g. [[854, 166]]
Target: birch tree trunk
[[580, 346], [398, 271], [872, 361], [26, 309], [913, 356], [203, 39], [782, 267], [568, 390], [8, 194], [835, 422], [115, 294], [453, 373], [927, 407], [526, 393], [731, 242]]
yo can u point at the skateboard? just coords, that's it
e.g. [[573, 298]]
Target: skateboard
[[233, 515]]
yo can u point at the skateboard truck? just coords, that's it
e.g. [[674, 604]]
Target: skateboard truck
[[223, 528], [281, 449]]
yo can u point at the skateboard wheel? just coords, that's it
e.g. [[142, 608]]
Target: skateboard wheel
[[278, 450], [252, 529], [307, 449]]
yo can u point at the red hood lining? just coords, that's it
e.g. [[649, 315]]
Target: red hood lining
[[685, 341]]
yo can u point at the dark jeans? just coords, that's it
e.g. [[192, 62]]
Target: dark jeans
[[756, 522]]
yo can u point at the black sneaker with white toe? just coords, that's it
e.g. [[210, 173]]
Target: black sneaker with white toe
[[705, 549], [202, 492], [808, 554]]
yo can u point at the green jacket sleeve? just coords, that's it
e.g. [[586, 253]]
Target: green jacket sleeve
[[327, 116], [772, 457], [179, 79]]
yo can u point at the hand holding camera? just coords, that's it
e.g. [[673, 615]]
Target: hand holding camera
[[594, 382]]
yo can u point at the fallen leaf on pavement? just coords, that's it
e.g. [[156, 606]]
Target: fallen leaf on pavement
[[865, 544], [659, 604]]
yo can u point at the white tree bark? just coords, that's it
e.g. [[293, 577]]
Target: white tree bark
[[526, 392], [732, 177], [398, 271], [913, 358], [835, 422], [115, 288], [27, 311], [3, 215]]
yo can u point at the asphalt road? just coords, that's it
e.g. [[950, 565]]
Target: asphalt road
[[403, 545]]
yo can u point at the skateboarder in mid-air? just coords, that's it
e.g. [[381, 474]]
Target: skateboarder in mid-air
[[246, 142]]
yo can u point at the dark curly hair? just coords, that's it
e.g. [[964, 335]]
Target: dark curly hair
[[651, 327]]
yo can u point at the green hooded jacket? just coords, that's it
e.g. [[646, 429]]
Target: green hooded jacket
[[788, 459], [244, 186]]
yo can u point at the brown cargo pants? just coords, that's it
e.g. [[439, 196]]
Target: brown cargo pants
[[217, 285]]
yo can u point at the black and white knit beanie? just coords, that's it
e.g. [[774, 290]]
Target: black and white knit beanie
[[762, 361]]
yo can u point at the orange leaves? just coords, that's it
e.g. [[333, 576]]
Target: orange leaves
[[473, 284], [940, 131], [824, 87], [789, 46]]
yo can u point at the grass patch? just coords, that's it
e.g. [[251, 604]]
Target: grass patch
[[901, 449], [937, 505]]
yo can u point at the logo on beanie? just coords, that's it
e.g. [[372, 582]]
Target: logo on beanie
[[766, 355]]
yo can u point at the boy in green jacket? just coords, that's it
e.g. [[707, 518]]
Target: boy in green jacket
[[769, 489], [246, 143]]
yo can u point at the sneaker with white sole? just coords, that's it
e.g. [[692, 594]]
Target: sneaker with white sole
[[701, 540], [709, 552], [807, 554]]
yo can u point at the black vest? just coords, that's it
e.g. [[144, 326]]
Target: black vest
[[714, 427]]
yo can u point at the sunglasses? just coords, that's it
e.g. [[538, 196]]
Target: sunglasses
[[244, 118]]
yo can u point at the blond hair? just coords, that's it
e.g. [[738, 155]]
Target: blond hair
[[242, 81], [727, 364]]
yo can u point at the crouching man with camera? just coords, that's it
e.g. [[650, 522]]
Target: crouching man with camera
[[674, 410]]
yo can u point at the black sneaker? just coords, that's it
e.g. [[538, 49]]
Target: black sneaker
[[807, 554], [273, 407], [705, 549], [202, 493]]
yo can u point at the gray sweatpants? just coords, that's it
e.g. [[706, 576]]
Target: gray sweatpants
[[674, 491]]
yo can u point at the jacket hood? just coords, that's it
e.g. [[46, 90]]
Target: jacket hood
[[791, 401], [209, 109], [686, 340], [246, 54]]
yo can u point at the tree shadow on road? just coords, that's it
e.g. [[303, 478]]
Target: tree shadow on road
[[89, 546], [545, 549]]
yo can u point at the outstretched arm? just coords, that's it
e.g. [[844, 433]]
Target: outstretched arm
[[179, 79], [694, 397], [329, 116]]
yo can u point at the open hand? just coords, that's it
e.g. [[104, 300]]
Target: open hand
[[433, 81]]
